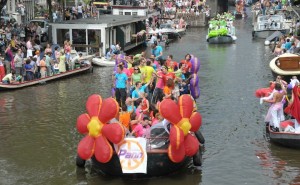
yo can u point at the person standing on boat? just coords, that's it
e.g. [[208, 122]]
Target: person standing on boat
[[275, 112], [157, 51], [62, 60], [120, 80], [8, 57], [18, 60]]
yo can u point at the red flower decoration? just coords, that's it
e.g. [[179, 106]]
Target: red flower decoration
[[99, 133], [183, 120]]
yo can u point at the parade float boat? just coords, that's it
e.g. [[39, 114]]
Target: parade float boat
[[103, 62], [158, 162], [287, 139], [18, 85], [286, 65], [266, 25], [220, 34]]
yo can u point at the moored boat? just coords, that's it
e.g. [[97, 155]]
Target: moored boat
[[266, 25], [286, 65], [103, 62], [82, 69]]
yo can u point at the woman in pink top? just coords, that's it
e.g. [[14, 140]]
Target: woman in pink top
[[48, 49]]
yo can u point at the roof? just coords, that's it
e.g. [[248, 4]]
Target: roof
[[112, 20]]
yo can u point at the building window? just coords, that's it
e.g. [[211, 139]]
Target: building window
[[127, 13], [120, 12], [134, 13]]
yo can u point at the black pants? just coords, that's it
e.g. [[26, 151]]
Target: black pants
[[121, 96], [158, 95]]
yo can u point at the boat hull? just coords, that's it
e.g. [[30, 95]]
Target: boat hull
[[290, 140], [43, 80], [220, 40], [158, 164], [266, 33]]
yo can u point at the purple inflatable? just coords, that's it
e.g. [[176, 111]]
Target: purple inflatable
[[195, 64], [194, 87]]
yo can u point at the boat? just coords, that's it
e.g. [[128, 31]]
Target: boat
[[266, 25], [82, 69], [166, 29], [157, 153], [286, 65], [221, 30], [158, 162], [287, 139], [103, 62]]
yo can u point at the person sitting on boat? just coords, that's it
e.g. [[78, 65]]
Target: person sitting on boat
[[10, 77], [109, 54], [278, 50], [124, 116], [76, 60], [275, 112], [288, 44]]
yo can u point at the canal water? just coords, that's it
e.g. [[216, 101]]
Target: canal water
[[38, 138]]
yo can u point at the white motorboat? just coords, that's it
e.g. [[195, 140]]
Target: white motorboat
[[268, 24], [103, 62], [166, 29]]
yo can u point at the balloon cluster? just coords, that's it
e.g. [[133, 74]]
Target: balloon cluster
[[194, 82], [99, 133], [183, 121]]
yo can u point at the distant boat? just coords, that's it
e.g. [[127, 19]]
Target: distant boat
[[103, 62], [266, 25], [286, 65]]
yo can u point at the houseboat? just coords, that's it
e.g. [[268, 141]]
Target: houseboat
[[96, 35]]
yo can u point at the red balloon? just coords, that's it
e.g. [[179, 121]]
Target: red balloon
[[176, 156], [114, 132], [170, 111], [196, 121], [104, 151], [93, 105], [191, 145], [176, 137], [82, 122], [186, 105], [109, 110], [85, 148]]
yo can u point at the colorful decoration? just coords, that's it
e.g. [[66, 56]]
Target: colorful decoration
[[184, 121], [264, 92], [99, 132], [194, 82]]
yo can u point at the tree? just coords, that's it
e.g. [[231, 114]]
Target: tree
[[2, 4]]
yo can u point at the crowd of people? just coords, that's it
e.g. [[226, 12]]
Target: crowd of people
[[140, 84], [282, 101], [29, 63], [287, 44]]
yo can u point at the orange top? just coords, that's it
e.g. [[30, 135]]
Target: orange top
[[43, 65], [167, 90], [124, 118]]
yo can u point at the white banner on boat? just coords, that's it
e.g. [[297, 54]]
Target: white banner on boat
[[133, 155]]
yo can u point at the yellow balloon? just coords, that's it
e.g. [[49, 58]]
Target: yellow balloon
[[94, 127]]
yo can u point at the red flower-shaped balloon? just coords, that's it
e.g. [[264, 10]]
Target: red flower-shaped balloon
[[183, 120], [94, 124]]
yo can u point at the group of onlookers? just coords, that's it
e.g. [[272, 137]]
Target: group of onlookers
[[35, 64], [287, 44]]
